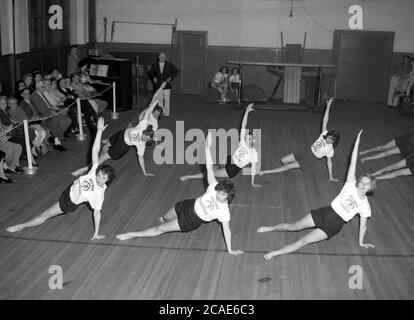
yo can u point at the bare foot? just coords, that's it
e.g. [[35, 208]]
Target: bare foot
[[15, 228], [264, 229], [125, 236], [270, 255]]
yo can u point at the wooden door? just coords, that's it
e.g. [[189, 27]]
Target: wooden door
[[362, 60], [192, 57]]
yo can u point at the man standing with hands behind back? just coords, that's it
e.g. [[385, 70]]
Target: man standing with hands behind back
[[163, 71]]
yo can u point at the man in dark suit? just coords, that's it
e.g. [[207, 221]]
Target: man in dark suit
[[160, 72]]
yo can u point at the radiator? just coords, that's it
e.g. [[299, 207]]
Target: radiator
[[291, 89]]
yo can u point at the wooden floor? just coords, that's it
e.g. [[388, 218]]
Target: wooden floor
[[196, 265]]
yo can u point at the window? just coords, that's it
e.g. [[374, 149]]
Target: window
[[41, 36]]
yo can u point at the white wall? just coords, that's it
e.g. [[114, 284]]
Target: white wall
[[258, 23]]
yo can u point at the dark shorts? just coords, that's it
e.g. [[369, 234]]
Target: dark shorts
[[410, 162], [231, 169], [65, 203], [118, 146], [305, 158], [188, 220], [405, 143], [234, 85], [327, 220], [2, 155]]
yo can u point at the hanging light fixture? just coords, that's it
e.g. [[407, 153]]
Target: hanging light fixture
[[291, 9]]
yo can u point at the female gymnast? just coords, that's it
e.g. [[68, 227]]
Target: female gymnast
[[189, 215], [244, 155], [404, 167], [329, 220], [88, 188], [120, 143], [323, 147], [403, 144]]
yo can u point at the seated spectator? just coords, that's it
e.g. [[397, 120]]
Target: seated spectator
[[11, 150], [29, 82], [55, 74], [3, 177], [221, 82], [399, 75], [83, 90], [89, 113], [17, 135], [56, 123], [42, 133], [18, 115], [37, 77], [20, 86]]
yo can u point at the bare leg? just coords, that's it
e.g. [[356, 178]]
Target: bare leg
[[53, 211], [170, 215], [305, 223], [395, 174], [388, 145], [312, 237], [383, 154], [170, 226], [218, 172], [284, 168], [392, 167]]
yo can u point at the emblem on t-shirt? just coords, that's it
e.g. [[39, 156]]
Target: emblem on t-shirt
[[350, 203], [87, 185], [133, 137], [318, 144]]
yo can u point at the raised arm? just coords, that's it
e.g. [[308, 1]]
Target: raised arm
[[147, 112], [352, 166], [326, 116], [211, 179], [158, 93], [101, 126], [243, 130]]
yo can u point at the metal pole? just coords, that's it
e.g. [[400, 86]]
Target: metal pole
[[80, 136], [114, 114], [29, 169], [137, 79]]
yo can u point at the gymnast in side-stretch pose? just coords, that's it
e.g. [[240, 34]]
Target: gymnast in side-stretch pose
[[120, 143], [323, 147], [329, 220], [189, 215], [402, 144], [244, 154], [88, 188], [404, 167]]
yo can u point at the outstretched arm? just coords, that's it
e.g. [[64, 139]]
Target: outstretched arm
[[362, 231], [146, 112], [211, 179], [97, 222], [326, 116], [227, 238], [101, 126], [352, 166], [243, 130]]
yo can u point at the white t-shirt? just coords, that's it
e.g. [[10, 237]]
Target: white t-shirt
[[244, 155], [220, 78], [85, 189], [234, 78], [208, 208], [132, 137], [348, 203], [322, 149]]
